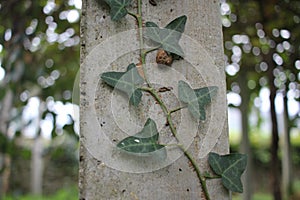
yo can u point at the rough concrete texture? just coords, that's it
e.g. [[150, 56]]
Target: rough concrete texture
[[106, 117]]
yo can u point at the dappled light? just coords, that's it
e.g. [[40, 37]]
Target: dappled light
[[39, 59], [262, 64]]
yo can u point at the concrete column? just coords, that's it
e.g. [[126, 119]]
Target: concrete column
[[106, 116]]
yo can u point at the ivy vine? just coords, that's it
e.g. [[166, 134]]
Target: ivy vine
[[228, 168]]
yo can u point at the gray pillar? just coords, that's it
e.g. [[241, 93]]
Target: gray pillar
[[105, 118]]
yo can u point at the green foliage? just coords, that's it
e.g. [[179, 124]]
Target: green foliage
[[168, 37], [230, 168], [118, 8], [5, 144], [257, 196], [62, 194], [196, 99], [127, 82], [65, 152], [145, 141]]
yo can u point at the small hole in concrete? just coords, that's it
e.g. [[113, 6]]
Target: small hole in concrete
[[188, 190], [171, 10], [103, 16], [123, 191], [81, 158], [180, 169]]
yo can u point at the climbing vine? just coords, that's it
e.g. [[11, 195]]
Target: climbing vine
[[135, 83]]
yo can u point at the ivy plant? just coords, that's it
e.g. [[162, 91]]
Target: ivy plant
[[118, 8], [167, 38], [145, 141], [228, 168], [127, 82], [196, 99]]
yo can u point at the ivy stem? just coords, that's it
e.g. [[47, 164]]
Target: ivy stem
[[143, 53], [177, 109], [140, 7], [201, 178], [133, 14], [139, 19], [155, 95], [209, 176], [157, 98], [168, 113]]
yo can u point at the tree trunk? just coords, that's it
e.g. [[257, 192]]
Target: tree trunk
[[106, 173], [37, 166], [4, 156], [245, 143], [275, 175], [5, 174], [275, 168], [37, 161], [287, 171]]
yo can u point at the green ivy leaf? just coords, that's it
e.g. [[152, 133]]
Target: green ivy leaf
[[178, 24], [118, 8], [168, 37], [127, 82], [196, 99], [145, 141], [230, 167]]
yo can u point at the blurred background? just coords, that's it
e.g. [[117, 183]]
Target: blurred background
[[39, 63], [262, 54]]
